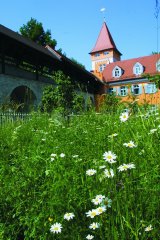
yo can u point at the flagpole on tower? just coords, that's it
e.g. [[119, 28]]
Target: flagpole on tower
[[103, 11], [157, 9]]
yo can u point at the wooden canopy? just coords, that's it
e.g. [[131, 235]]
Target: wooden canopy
[[21, 49]]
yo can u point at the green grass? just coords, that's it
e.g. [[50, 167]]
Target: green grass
[[36, 192]]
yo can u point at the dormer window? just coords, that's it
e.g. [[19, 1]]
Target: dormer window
[[138, 69], [117, 72], [158, 66]]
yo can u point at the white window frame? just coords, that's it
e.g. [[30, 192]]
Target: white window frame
[[138, 68], [158, 65], [123, 90], [136, 89], [117, 72]]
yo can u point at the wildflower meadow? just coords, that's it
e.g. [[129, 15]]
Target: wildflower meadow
[[93, 176]]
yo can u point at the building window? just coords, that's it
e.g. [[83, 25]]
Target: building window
[[150, 88], [106, 53], [102, 67], [136, 89], [138, 69], [158, 65], [123, 91], [117, 72], [97, 54], [111, 91]]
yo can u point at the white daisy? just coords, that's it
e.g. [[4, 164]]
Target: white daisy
[[53, 155], [96, 201], [107, 202], [100, 197], [149, 228], [109, 173], [92, 213], [131, 165], [152, 131], [69, 216], [113, 135], [56, 228], [75, 156], [101, 167], [52, 159], [124, 117], [101, 209], [125, 167], [89, 237], [131, 144], [91, 172], [94, 225], [109, 157], [62, 155]]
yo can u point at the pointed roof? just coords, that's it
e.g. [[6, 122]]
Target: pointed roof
[[104, 40]]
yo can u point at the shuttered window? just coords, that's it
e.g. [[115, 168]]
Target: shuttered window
[[136, 89], [150, 88], [123, 90]]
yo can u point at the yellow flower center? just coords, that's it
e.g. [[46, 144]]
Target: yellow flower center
[[93, 214]]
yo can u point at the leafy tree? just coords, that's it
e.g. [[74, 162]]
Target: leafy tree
[[59, 96], [155, 79], [34, 30], [154, 53], [78, 103]]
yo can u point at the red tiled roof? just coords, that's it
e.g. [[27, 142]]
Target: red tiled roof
[[148, 62], [104, 40]]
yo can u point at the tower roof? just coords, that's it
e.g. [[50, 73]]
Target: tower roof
[[104, 41]]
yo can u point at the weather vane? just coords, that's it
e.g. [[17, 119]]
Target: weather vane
[[102, 10]]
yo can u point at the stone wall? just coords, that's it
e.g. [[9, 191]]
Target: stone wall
[[15, 77], [8, 83]]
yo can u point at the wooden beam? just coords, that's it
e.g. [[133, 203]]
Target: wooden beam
[[3, 55]]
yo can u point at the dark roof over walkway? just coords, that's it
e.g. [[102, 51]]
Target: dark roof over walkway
[[14, 45]]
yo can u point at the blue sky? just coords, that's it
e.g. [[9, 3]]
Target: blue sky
[[76, 24]]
